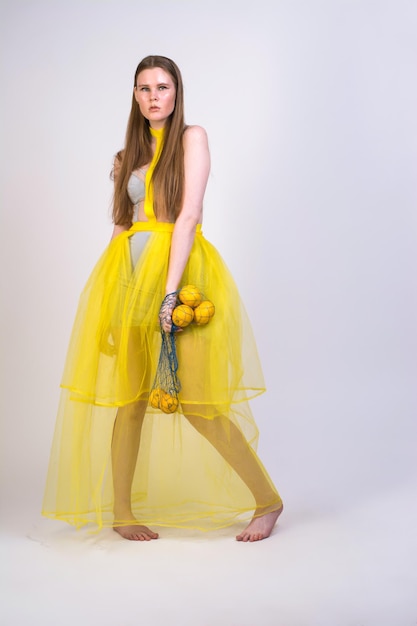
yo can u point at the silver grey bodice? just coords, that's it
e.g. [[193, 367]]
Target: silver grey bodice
[[136, 192]]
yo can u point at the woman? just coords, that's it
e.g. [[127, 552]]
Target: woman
[[116, 460]]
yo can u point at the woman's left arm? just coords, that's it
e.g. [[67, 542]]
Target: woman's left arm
[[196, 172]]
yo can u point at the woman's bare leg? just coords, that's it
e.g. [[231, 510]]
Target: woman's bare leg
[[125, 447], [230, 442]]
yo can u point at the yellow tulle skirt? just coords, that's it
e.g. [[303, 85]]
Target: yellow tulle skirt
[[112, 452]]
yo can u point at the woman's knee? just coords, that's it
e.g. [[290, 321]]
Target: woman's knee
[[134, 411]]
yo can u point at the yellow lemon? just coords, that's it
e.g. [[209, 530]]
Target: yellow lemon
[[168, 403], [190, 295], [182, 315], [155, 398], [204, 312]]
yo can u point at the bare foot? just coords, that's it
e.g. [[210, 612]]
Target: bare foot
[[260, 527], [135, 532]]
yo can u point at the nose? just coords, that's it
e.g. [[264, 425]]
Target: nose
[[154, 95]]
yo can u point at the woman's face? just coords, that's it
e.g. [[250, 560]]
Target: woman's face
[[155, 93]]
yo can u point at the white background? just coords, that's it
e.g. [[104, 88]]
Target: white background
[[310, 107]]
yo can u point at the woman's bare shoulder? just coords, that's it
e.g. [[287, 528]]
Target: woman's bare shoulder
[[195, 133]]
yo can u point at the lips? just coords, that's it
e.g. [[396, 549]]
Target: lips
[[154, 109]]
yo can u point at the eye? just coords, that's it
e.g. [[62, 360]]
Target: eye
[[143, 88], [162, 87]]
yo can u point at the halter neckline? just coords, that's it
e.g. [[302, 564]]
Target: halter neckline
[[158, 133]]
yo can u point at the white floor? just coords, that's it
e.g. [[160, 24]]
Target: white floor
[[352, 566]]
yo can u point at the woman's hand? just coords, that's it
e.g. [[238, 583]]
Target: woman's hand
[[165, 312]]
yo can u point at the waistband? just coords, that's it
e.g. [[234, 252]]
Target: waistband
[[158, 227]]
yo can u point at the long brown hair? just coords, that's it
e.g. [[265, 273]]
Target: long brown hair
[[168, 175]]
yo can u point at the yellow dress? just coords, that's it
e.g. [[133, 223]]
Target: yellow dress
[[196, 468]]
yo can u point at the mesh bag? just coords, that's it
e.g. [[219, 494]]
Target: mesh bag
[[191, 306], [166, 385]]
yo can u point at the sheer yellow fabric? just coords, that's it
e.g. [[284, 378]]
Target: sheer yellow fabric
[[113, 455]]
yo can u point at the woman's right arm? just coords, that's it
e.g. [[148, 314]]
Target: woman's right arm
[[118, 228]]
